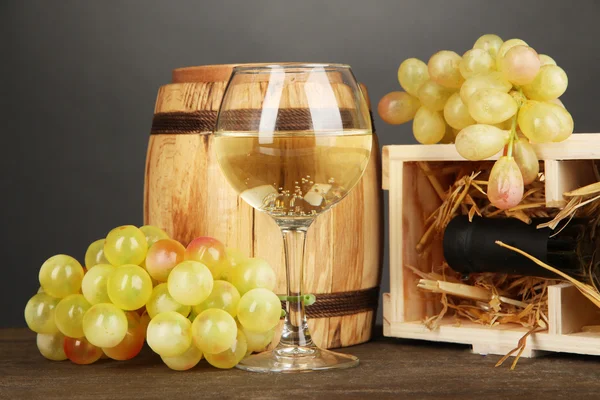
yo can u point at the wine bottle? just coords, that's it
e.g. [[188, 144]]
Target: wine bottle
[[469, 247]]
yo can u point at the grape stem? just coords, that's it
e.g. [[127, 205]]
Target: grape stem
[[307, 299], [513, 129]]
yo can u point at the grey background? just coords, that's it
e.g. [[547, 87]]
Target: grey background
[[79, 81]]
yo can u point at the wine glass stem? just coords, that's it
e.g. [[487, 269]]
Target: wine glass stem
[[295, 336]]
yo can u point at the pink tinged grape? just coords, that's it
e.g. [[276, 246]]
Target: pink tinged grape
[[210, 252], [132, 343], [80, 351], [520, 65], [526, 160], [444, 69], [478, 142], [505, 184], [398, 107], [162, 257], [61, 275], [50, 346]]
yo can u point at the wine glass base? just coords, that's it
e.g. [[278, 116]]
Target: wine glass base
[[299, 360]]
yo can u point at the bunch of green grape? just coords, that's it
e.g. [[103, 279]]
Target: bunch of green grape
[[500, 95], [140, 286]]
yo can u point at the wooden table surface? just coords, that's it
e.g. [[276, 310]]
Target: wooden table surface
[[390, 368]]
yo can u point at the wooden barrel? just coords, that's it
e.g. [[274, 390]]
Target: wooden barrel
[[186, 194]]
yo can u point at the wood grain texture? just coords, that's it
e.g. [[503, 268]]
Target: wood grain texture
[[389, 369], [412, 199], [187, 195]]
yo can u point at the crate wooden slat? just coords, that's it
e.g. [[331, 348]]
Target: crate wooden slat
[[412, 199]]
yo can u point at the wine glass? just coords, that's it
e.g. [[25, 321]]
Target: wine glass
[[293, 139]]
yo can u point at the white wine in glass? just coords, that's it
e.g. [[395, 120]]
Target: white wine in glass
[[293, 140]]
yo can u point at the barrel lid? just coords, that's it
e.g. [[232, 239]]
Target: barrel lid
[[203, 73]]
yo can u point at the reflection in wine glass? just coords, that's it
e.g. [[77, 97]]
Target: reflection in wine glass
[[293, 140]]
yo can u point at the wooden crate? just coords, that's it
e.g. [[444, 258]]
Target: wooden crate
[[412, 199]]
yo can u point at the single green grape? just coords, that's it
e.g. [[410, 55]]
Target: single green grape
[[259, 310], [526, 160], [39, 313], [444, 69], [214, 331], [190, 283], [153, 234], [490, 43], [539, 121], [125, 245], [520, 65], [50, 346], [232, 356], [253, 273], [429, 126], [546, 60], [169, 334], [129, 287], [132, 343], [475, 62], [234, 258], [412, 73], [480, 141], [210, 252], [68, 315], [433, 95], [223, 296], [491, 106], [565, 119], [95, 254], [258, 341], [161, 301], [104, 325], [493, 80], [94, 282], [188, 360], [549, 84], [456, 113], [61, 275]]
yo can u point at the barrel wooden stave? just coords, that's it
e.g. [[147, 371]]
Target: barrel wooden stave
[[187, 195]]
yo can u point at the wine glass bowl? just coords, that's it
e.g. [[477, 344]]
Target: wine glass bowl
[[293, 140]]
